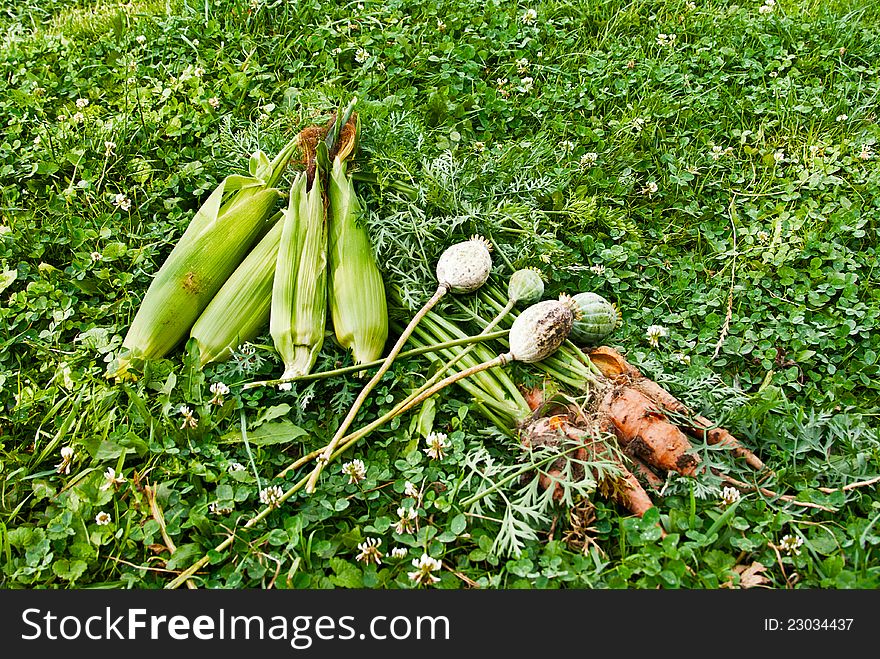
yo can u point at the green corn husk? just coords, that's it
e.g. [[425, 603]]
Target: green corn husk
[[241, 308], [214, 244], [356, 291], [299, 292]]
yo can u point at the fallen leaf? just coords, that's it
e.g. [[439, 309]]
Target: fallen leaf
[[750, 576]]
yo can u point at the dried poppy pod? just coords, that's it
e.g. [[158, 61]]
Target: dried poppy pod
[[465, 266], [539, 330]]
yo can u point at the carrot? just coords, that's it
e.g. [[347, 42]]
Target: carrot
[[645, 432], [612, 364]]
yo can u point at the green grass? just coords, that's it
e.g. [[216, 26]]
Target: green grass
[[777, 226]]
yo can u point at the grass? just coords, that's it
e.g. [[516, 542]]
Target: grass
[[726, 181]]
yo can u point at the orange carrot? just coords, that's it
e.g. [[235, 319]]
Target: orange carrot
[[645, 432], [612, 364]]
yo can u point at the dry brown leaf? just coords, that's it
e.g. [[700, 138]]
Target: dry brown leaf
[[750, 576]]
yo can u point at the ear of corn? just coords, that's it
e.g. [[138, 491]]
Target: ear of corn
[[216, 241], [241, 308], [356, 291], [194, 272], [299, 292]]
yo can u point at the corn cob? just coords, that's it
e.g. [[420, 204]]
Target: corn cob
[[299, 292], [241, 307], [356, 290], [216, 241]]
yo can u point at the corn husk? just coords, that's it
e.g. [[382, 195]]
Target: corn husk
[[241, 308], [299, 292], [356, 291], [216, 241]]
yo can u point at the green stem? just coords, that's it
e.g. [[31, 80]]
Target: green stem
[[411, 402], [346, 423], [398, 409], [478, 338], [444, 329]]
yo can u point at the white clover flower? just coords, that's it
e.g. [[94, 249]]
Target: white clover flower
[[729, 496], [235, 466], [522, 65], [405, 523], [437, 444], [398, 552], [189, 419], [779, 156], [369, 551], [530, 17], [765, 9], [356, 471], [690, 5], [112, 479], [638, 124], [141, 39], [271, 496], [589, 159], [654, 333], [380, 66], [361, 56], [78, 118], [683, 358], [763, 236], [842, 117], [791, 544], [198, 72], [424, 567], [97, 256], [650, 188], [441, 25], [597, 269], [109, 147], [527, 84], [122, 201], [337, 51], [567, 146], [216, 509], [219, 389], [479, 147], [774, 74], [67, 455], [665, 39], [866, 153], [82, 103], [718, 151], [214, 102], [410, 490], [102, 518]]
